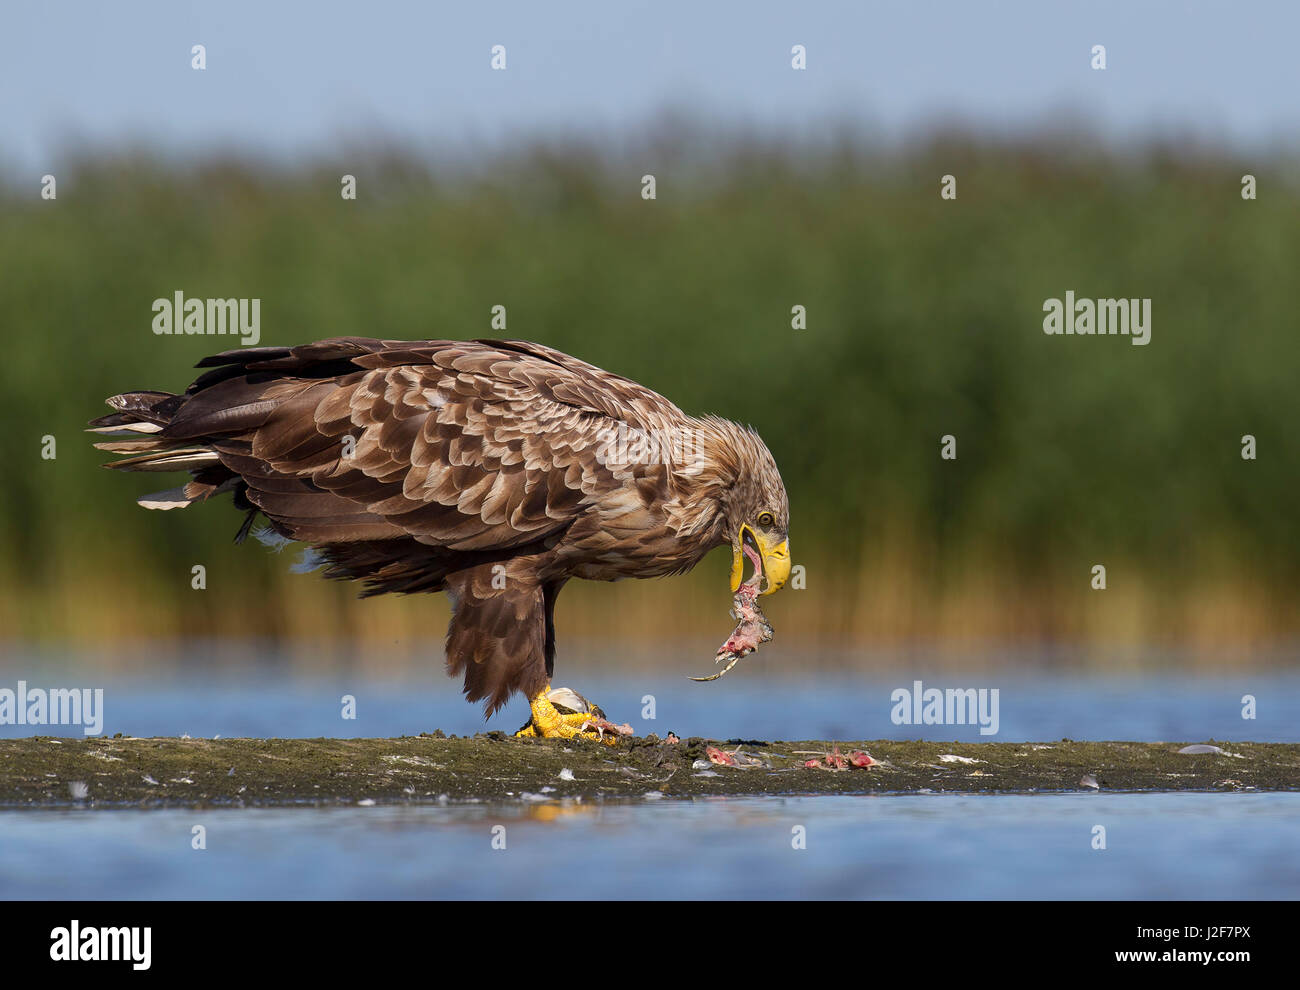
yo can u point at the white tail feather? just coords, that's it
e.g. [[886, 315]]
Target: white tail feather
[[172, 498], [126, 429]]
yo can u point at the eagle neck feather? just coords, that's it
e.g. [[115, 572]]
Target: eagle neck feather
[[723, 454]]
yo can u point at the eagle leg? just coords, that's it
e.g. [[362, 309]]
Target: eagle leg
[[550, 723]]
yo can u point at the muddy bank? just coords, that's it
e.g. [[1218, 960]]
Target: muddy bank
[[120, 772]]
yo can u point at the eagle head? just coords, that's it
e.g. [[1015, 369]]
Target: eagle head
[[757, 514]]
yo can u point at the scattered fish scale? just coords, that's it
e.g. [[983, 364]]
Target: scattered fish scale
[[1202, 748]]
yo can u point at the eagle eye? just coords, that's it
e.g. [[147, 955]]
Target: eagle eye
[[766, 519]]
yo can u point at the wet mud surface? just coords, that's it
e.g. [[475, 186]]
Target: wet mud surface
[[168, 772]]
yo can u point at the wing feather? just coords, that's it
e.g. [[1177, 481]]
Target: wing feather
[[462, 445]]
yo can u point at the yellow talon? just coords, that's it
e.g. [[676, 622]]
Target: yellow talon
[[550, 723]]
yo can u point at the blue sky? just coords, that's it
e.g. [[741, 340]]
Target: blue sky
[[289, 79]]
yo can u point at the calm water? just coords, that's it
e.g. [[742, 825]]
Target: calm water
[[818, 707], [1231, 846]]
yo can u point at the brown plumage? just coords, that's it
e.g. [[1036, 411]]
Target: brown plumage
[[492, 470]]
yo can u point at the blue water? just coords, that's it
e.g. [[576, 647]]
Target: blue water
[[1229, 846], [1031, 708], [1195, 846]]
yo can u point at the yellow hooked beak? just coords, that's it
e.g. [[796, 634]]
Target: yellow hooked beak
[[775, 560]]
